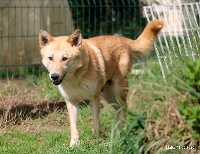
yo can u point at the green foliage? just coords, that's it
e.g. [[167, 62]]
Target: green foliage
[[189, 107], [192, 115], [107, 17], [130, 139], [190, 73]]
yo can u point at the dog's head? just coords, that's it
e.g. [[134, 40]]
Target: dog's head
[[60, 55]]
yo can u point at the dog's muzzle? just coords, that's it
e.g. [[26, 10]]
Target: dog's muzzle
[[55, 78]]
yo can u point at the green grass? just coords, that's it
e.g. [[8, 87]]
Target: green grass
[[45, 140]]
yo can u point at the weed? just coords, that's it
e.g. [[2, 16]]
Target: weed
[[9, 89], [130, 139], [166, 122]]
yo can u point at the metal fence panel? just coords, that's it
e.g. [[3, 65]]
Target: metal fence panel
[[179, 39]]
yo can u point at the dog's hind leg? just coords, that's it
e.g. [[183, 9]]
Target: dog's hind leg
[[116, 96], [98, 127], [120, 92], [116, 92], [109, 96]]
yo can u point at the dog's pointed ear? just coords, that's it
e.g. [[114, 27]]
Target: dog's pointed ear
[[76, 38], [44, 38]]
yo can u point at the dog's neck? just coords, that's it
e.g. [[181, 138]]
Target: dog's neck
[[84, 57]]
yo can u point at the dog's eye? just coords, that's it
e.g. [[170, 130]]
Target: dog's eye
[[64, 58], [50, 58]]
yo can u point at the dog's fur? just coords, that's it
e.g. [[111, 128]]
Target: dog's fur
[[94, 67]]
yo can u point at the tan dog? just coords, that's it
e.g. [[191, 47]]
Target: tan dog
[[90, 68]]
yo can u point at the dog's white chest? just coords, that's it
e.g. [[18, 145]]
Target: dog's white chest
[[78, 91]]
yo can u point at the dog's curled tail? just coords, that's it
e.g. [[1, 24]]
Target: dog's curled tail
[[144, 44]]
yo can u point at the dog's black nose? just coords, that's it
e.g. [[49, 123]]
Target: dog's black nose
[[54, 76]]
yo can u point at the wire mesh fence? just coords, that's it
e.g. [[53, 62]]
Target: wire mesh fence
[[21, 20], [179, 39]]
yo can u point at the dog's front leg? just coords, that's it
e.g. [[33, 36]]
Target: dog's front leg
[[72, 110], [98, 127]]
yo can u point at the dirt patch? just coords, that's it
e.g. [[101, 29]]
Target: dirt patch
[[17, 108], [19, 101]]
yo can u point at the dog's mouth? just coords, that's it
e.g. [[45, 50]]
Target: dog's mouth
[[56, 82], [59, 81]]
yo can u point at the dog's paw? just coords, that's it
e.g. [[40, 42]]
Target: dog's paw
[[74, 142]]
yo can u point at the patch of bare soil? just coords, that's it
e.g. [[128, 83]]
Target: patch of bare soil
[[56, 121], [18, 101]]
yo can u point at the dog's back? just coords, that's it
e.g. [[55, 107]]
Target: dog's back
[[114, 47]]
